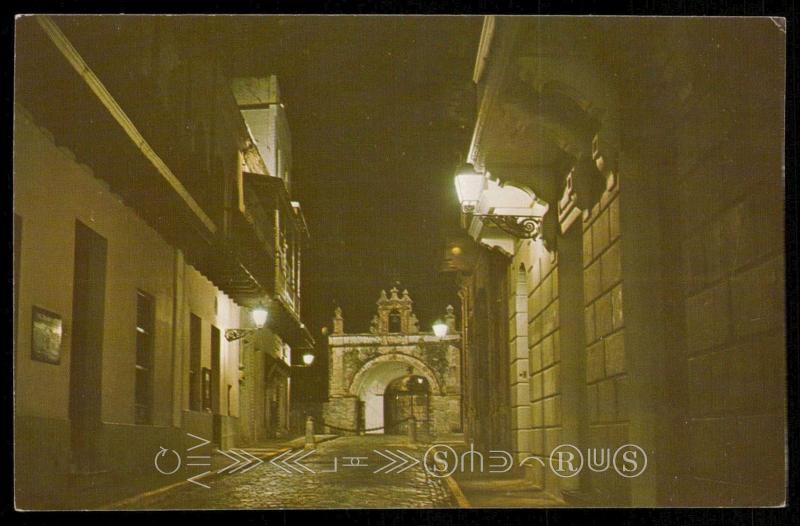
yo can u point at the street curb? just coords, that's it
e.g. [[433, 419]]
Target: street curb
[[455, 490], [214, 475]]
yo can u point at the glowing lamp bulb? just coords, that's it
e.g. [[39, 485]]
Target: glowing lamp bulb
[[469, 186], [259, 315], [440, 329], [308, 357]]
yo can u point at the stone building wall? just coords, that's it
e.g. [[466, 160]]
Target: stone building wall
[[729, 193], [534, 347], [536, 374], [606, 370], [545, 357], [655, 316]]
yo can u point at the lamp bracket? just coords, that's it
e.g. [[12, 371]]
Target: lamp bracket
[[519, 226], [237, 334]]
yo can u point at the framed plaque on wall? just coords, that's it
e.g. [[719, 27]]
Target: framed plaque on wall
[[46, 337]]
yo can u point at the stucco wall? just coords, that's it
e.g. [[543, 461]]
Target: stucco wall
[[51, 191]]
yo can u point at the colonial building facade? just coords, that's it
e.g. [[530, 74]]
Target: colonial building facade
[[267, 204], [623, 278], [152, 212], [382, 381]]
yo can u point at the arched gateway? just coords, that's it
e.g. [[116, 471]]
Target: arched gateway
[[378, 380]]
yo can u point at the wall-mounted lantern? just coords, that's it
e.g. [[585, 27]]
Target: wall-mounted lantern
[[469, 187], [259, 315], [513, 209], [440, 328]]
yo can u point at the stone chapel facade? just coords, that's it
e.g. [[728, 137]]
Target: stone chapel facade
[[378, 380]]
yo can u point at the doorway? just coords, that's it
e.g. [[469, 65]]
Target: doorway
[[216, 383], [406, 396], [88, 312]]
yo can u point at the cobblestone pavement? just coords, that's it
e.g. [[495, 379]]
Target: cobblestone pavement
[[269, 486]]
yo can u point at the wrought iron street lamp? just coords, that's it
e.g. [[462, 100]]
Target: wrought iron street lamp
[[259, 315], [475, 189], [440, 329]]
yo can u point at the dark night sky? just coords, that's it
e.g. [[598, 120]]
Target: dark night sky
[[379, 112]]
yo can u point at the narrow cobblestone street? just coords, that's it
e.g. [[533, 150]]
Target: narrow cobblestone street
[[349, 486]]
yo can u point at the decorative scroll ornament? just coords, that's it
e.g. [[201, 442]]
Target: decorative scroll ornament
[[519, 226], [237, 334]]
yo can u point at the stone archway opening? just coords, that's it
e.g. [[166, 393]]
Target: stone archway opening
[[374, 381], [406, 397]]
